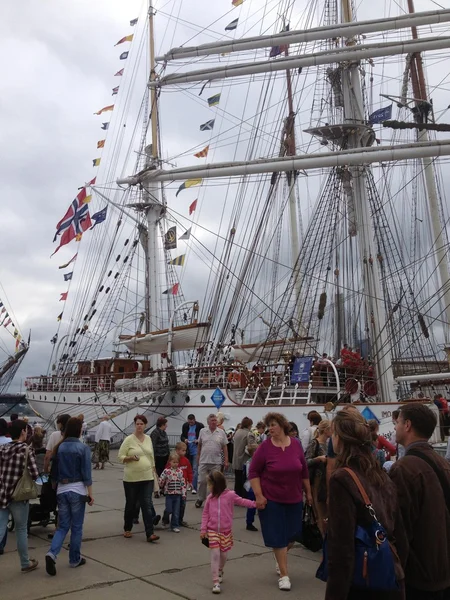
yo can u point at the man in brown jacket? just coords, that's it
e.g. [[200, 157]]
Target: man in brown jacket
[[422, 479]]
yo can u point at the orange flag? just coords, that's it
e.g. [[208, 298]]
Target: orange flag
[[203, 153], [101, 144], [105, 109], [127, 38]]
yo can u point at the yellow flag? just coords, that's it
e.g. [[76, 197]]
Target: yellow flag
[[237, 2]]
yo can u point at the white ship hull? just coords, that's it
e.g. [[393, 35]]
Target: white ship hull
[[198, 402]]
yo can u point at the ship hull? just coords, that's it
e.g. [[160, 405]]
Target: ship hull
[[177, 407]]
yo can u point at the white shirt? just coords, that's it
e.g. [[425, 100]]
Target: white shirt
[[4, 440], [53, 440], [307, 435], [103, 431], [212, 445]]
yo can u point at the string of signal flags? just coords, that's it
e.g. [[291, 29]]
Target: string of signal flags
[[78, 219]]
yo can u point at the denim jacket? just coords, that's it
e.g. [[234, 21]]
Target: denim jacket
[[72, 462]]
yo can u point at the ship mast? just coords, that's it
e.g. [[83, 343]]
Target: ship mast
[[291, 176], [421, 111], [358, 138], [152, 202]]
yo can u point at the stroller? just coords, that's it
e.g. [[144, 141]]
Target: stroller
[[42, 512]]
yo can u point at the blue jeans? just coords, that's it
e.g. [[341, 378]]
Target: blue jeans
[[173, 505], [71, 509], [19, 511], [251, 512], [194, 463]]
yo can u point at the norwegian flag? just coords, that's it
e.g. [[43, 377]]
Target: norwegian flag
[[76, 220]]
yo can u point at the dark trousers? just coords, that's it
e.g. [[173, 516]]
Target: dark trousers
[[160, 464], [415, 594], [139, 491], [239, 480], [3, 542], [251, 512]]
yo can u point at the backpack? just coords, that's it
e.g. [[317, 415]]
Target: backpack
[[374, 556]]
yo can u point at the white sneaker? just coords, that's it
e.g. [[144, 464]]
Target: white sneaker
[[193, 493], [176, 530], [216, 589], [284, 583], [220, 576]]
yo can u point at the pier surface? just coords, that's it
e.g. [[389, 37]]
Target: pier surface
[[175, 567]]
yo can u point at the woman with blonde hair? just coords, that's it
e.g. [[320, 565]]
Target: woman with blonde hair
[[352, 442], [316, 459]]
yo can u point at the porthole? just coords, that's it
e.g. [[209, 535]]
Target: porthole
[[202, 399], [174, 399], [79, 399], [188, 399], [64, 398], [45, 397]]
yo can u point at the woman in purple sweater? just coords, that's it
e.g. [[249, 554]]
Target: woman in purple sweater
[[278, 474]]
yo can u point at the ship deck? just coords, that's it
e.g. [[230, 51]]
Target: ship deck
[[177, 567]]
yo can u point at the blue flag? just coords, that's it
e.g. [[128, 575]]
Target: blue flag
[[105, 126], [68, 276], [380, 115], [301, 369], [99, 216], [208, 126]]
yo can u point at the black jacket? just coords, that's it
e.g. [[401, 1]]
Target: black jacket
[[185, 431]]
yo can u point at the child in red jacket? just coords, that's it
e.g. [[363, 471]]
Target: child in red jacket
[[186, 467]]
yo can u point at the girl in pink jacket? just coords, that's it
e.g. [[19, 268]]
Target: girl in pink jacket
[[217, 521]]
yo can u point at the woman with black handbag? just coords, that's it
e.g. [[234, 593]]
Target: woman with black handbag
[[316, 459]]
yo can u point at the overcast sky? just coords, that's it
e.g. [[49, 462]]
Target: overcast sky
[[57, 70]]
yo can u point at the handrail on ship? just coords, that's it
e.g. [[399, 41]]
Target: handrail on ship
[[228, 377]]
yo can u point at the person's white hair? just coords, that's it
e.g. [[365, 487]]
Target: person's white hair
[[211, 416]]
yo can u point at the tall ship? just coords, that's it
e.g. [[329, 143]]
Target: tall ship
[[285, 246]]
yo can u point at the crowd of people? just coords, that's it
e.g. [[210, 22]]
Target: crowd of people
[[354, 482]]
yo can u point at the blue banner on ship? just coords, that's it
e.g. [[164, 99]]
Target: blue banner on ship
[[302, 369]]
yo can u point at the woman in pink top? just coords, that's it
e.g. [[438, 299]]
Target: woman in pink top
[[278, 474], [217, 522]]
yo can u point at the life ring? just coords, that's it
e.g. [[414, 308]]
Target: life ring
[[234, 379], [351, 386], [370, 388]]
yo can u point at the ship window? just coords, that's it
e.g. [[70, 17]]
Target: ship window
[[160, 399], [114, 400], [202, 399], [173, 399], [40, 397], [45, 397], [79, 399], [188, 398], [64, 398], [54, 398], [135, 399]]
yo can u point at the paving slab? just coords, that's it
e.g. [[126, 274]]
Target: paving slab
[[135, 588], [251, 577], [37, 584]]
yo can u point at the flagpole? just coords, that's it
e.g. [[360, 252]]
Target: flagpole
[[118, 206]]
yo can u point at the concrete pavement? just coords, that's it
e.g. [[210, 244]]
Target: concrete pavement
[[176, 567]]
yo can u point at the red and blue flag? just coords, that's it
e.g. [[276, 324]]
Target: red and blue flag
[[76, 221]]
